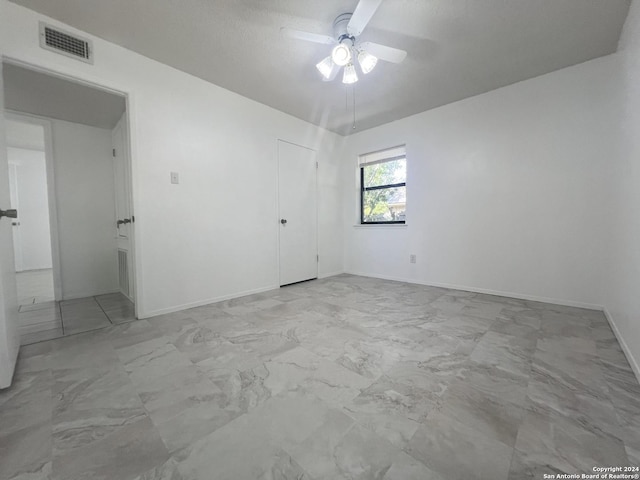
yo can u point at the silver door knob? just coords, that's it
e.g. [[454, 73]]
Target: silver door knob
[[11, 213], [283, 221]]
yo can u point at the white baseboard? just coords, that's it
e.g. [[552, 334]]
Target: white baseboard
[[625, 348], [500, 293], [331, 274], [77, 295], [200, 303], [33, 269]]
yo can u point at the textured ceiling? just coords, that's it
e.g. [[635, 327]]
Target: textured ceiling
[[39, 94], [456, 48]]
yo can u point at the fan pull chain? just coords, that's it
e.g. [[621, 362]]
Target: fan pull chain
[[354, 107]]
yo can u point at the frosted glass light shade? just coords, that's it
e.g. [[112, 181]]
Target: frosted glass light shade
[[325, 67], [341, 55], [350, 75], [367, 61]]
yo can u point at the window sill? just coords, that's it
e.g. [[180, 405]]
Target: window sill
[[381, 225]]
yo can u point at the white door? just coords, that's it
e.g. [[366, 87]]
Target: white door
[[124, 216], [9, 335], [297, 171]]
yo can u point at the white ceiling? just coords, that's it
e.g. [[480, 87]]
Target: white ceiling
[[456, 48], [40, 94]]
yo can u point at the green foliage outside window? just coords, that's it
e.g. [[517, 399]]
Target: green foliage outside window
[[384, 191]]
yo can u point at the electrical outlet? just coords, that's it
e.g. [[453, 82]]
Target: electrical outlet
[[175, 178], [412, 258]]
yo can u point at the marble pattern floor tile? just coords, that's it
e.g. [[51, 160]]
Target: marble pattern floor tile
[[341, 378], [26, 451], [91, 404], [128, 452], [457, 451], [506, 353], [551, 443], [492, 415]]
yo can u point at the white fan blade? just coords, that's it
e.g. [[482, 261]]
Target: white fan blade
[[334, 71], [361, 16], [309, 37], [388, 54]]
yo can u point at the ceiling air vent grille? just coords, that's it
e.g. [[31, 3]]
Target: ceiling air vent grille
[[65, 43]]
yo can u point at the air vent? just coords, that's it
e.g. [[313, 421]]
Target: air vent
[[65, 43]]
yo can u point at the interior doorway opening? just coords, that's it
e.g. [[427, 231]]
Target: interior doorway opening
[[69, 167], [29, 194]]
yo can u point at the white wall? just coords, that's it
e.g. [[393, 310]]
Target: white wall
[[85, 203], [622, 285], [507, 192], [33, 207], [189, 249]]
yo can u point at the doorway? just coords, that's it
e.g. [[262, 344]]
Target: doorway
[[297, 205], [80, 275], [29, 192]]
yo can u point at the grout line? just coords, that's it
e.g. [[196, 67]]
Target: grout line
[[59, 305], [103, 311]]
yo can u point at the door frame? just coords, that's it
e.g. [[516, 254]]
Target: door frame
[[51, 192], [130, 144], [277, 150]]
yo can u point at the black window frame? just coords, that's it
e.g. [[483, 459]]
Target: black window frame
[[364, 189]]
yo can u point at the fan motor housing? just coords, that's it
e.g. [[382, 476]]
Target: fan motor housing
[[340, 27]]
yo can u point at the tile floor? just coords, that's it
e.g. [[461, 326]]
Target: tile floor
[[49, 320], [341, 378]]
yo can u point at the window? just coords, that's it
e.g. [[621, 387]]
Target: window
[[383, 186]]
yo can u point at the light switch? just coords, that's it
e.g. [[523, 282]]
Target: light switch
[[175, 178]]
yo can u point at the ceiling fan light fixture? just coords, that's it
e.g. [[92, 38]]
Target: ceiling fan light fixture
[[367, 61], [325, 67], [341, 54], [350, 75]]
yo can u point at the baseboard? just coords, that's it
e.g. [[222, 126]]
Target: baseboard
[[500, 293], [75, 296], [200, 303], [625, 348], [331, 274], [33, 269]]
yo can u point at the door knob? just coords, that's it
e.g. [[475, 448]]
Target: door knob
[[9, 213], [126, 220], [283, 221]]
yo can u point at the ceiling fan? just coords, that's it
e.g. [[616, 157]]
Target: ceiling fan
[[346, 29]]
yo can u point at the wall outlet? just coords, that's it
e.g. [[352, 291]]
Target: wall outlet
[[412, 258], [175, 178]]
